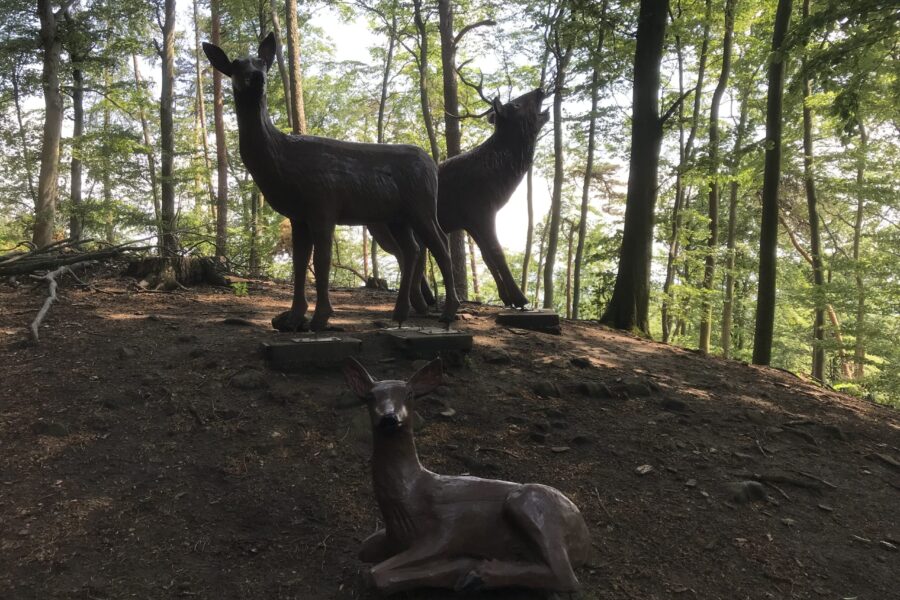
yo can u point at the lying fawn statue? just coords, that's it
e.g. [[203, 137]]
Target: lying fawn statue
[[319, 183], [462, 533], [475, 185]]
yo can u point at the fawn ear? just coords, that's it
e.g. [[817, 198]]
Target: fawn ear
[[357, 377], [217, 58], [427, 378], [267, 50]]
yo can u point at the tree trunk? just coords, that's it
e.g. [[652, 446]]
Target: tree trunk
[[529, 233], [221, 150], [167, 132], [686, 153], [365, 251], [709, 271], [818, 354], [859, 347], [108, 218], [298, 125], [629, 304], [386, 76], [588, 167], [562, 57], [201, 107], [422, 63], [569, 297], [452, 135], [768, 237], [26, 155], [76, 215], [279, 57], [48, 179], [537, 283], [476, 291], [255, 203], [728, 305], [151, 157]]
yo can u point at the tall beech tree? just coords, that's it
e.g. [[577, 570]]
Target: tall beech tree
[[768, 234], [298, 111], [713, 166], [169, 243], [221, 149], [628, 307]]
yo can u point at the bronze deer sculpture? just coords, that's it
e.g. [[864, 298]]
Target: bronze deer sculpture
[[319, 183], [475, 185], [462, 533]]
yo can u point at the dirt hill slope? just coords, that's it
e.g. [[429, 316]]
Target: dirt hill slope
[[147, 452]]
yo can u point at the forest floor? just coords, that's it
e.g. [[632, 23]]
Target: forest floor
[[146, 451]]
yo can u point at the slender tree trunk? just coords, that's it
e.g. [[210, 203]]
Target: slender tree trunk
[[201, 107], [537, 282], [529, 234], [422, 63], [279, 57], [105, 178], [588, 167], [569, 297], [386, 75], [26, 155], [818, 353], [297, 109], [728, 305], [768, 238], [859, 347], [452, 135], [686, 153], [221, 149], [255, 203], [48, 179], [476, 290], [167, 131], [562, 62], [76, 216], [151, 157], [365, 251], [629, 304], [709, 272]]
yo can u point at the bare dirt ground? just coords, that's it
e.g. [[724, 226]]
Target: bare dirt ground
[[146, 451]]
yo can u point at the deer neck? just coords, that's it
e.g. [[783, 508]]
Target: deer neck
[[395, 465], [256, 133], [518, 145]]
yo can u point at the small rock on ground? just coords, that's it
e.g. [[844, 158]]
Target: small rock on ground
[[249, 379], [742, 492]]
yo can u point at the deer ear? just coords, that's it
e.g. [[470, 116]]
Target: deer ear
[[497, 105], [427, 378], [217, 58], [357, 377], [267, 50]]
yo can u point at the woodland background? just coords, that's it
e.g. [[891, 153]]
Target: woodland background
[[115, 128]]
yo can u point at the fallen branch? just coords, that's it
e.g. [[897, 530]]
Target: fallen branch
[[50, 277]]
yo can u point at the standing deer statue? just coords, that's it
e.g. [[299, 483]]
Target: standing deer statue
[[462, 533], [475, 185], [319, 183]]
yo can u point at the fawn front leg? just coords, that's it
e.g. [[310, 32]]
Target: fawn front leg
[[322, 237], [295, 319]]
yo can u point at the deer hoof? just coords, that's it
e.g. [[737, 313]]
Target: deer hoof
[[290, 321], [320, 322], [470, 582]]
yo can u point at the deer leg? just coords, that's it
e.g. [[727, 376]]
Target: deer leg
[[442, 573], [409, 251], [436, 241], [418, 286], [425, 552], [538, 513], [490, 246], [295, 318], [322, 237], [490, 261], [376, 547]]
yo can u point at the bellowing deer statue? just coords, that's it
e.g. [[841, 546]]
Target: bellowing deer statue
[[475, 185], [319, 183], [462, 533]]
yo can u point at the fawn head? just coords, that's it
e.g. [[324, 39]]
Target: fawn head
[[390, 401], [248, 75], [520, 114]]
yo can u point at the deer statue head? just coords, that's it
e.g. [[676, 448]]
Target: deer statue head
[[390, 401], [521, 114], [248, 75]]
